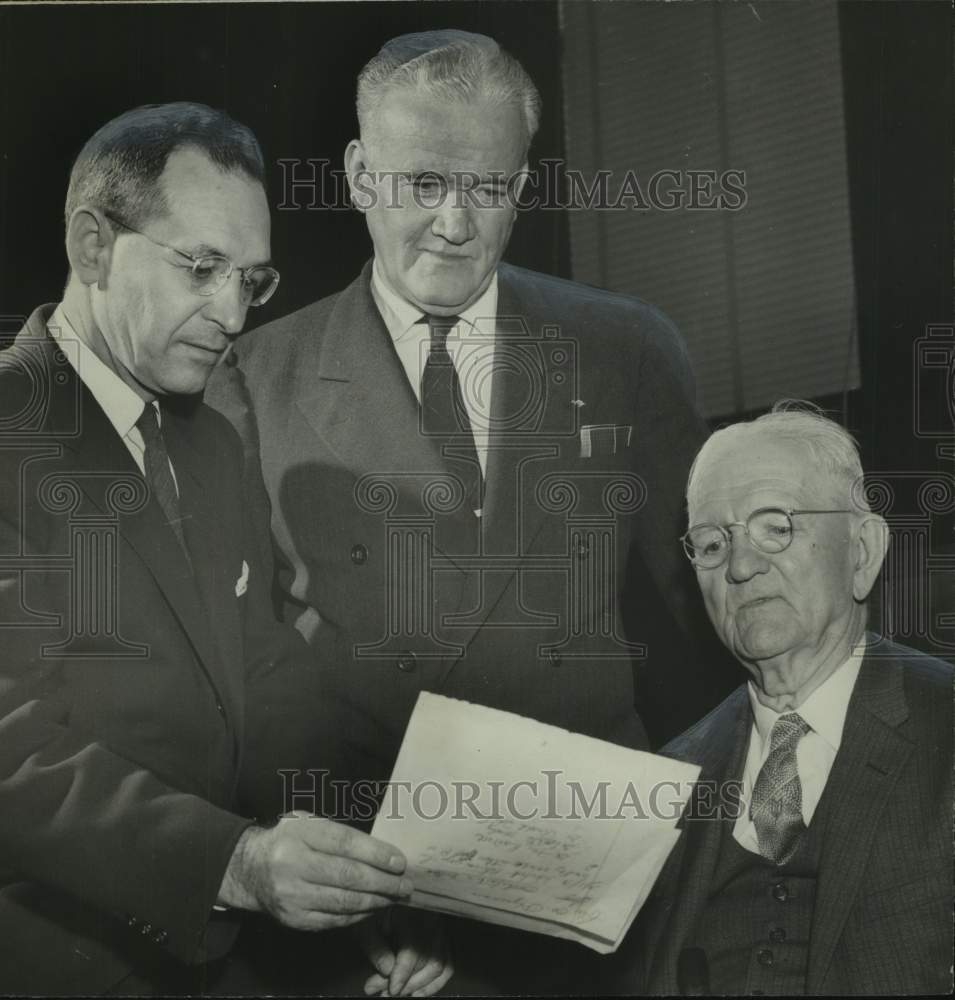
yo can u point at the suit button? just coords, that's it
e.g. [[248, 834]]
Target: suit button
[[160, 937], [765, 957], [220, 709], [407, 662], [132, 922], [359, 555], [146, 929], [780, 892], [777, 935], [554, 657]]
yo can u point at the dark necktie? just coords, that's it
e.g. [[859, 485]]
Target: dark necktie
[[776, 806], [444, 416], [158, 470]]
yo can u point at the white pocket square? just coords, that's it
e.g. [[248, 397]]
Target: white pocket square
[[604, 439], [242, 584]]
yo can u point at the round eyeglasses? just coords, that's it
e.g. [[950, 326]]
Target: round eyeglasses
[[769, 529], [210, 272]]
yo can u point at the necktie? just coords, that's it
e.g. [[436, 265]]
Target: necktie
[[158, 471], [776, 806], [443, 413]]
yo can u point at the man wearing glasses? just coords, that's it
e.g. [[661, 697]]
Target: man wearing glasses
[[135, 629], [817, 857]]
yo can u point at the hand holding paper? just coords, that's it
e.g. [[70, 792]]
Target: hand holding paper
[[523, 824]]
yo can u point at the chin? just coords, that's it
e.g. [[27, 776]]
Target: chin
[[760, 643], [446, 293], [448, 288], [183, 385]]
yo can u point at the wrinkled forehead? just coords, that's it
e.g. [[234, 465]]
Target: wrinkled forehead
[[754, 467], [221, 211], [480, 132]]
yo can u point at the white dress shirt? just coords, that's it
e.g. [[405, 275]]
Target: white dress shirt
[[825, 712], [470, 344], [121, 404]]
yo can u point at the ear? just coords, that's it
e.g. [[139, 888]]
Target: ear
[[870, 544], [360, 178], [517, 182], [89, 245]]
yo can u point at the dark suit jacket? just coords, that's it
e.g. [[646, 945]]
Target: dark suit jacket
[[322, 401], [122, 684], [883, 914]]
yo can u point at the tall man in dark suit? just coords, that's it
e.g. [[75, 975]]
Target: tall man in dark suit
[[133, 609], [818, 857], [472, 468], [475, 471]]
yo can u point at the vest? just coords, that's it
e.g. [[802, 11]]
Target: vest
[[756, 926]]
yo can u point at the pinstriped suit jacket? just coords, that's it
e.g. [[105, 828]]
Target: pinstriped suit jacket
[[883, 914]]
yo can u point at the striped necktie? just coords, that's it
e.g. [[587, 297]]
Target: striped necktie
[[443, 413], [159, 471]]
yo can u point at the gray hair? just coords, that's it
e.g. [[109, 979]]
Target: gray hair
[[118, 169], [830, 446], [450, 64]]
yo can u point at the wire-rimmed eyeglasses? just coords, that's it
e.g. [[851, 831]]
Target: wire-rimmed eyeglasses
[[770, 529], [210, 272]]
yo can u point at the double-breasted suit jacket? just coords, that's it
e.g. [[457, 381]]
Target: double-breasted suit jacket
[[577, 574]]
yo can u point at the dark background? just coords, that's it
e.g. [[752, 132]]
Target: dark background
[[288, 71]]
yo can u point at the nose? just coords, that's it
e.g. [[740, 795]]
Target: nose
[[452, 219], [226, 307], [744, 560]]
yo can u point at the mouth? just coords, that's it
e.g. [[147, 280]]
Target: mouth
[[756, 602], [212, 353], [446, 255]]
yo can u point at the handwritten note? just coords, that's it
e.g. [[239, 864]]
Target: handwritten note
[[506, 819]]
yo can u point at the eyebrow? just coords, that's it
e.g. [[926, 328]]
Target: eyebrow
[[417, 175], [497, 179], [208, 250]]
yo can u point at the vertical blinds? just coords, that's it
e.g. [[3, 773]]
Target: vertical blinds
[[763, 295]]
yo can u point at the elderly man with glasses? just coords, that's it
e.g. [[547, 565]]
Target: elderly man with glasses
[[138, 649], [816, 856]]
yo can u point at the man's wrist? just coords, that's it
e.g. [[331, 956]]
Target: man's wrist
[[238, 889]]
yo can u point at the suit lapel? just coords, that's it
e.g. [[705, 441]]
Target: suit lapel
[[93, 458], [517, 452], [361, 404], [512, 525], [870, 760], [208, 551], [719, 745]]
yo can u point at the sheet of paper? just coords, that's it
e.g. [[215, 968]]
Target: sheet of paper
[[506, 819]]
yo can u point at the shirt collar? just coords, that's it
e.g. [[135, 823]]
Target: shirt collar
[[122, 406], [401, 316], [824, 710]]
